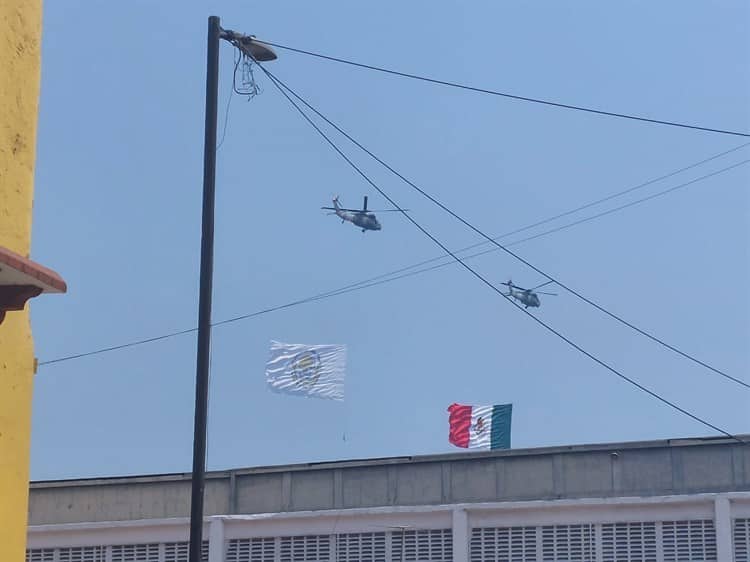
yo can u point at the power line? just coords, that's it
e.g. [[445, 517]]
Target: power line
[[511, 253], [625, 191], [229, 102], [505, 94], [630, 204], [388, 277], [559, 228], [115, 347], [411, 270], [580, 208], [486, 281]]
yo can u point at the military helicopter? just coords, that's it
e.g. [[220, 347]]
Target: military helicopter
[[363, 218], [527, 297]]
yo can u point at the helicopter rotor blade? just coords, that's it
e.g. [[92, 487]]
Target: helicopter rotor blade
[[513, 285], [389, 211], [543, 293], [542, 285], [364, 204]]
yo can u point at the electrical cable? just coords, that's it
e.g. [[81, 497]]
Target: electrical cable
[[400, 273], [237, 59], [116, 347], [577, 209], [504, 94], [504, 248], [618, 194], [226, 121], [485, 280]]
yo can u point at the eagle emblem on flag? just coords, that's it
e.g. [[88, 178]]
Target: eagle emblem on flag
[[479, 427], [304, 368]]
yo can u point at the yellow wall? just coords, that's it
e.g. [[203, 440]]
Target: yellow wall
[[20, 38]]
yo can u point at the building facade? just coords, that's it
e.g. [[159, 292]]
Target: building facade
[[660, 501], [20, 45]]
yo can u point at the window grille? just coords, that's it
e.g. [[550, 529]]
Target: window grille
[[252, 550], [82, 554], [179, 552], [360, 547], [568, 543], [629, 542], [310, 548], [503, 544], [176, 552], [154, 552], [136, 553], [40, 555], [741, 537], [422, 546], [689, 541]]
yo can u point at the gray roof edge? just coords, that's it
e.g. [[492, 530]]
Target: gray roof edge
[[384, 461]]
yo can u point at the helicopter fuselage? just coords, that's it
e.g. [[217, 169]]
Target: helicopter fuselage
[[365, 221], [526, 298]]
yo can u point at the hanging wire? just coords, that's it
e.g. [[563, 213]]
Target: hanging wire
[[508, 95], [248, 85], [406, 271], [504, 248], [483, 279], [229, 103]]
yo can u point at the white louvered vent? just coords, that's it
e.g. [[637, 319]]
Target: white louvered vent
[[135, 553], [422, 546], [360, 547], [40, 555], [503, 544], [629, 542], [82, 554], [155, 552], [310, 548], [689, 541], [252, 550], [179, 552], [741, 537], [176, 552], [568, 543]]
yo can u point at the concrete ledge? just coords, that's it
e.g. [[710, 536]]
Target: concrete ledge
[[651, 468]]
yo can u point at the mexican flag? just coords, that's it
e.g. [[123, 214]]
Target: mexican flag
[[480, 427]]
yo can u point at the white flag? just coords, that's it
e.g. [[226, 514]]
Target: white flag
[[307, 370]]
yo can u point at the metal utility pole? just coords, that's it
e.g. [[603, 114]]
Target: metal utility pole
[[204, 301], [258, 52]]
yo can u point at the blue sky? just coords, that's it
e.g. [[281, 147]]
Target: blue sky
[[117, 213]]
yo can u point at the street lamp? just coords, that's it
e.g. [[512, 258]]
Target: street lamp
[[258, 52]]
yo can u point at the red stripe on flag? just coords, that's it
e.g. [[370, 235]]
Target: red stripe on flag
[[460, 422]]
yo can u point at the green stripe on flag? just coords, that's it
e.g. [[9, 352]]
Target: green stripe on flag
[[501, 415]]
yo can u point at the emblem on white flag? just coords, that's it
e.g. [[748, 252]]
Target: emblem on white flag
[[307, 370]]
